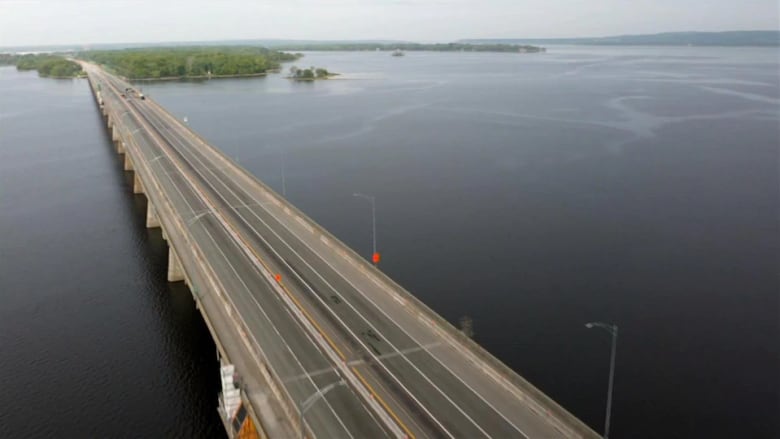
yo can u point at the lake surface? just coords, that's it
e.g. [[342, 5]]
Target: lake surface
[[533, 193]]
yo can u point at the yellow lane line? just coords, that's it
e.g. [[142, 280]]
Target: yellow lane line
[[409, 434]]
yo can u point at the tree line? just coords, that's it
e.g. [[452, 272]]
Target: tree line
[[185, 62], [47, 65], [437, 47]]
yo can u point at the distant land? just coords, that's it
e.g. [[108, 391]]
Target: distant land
[[190, 62], [730, 38], [400, 46], [288, 45], [48, 66], [269, 43], [162, 63]]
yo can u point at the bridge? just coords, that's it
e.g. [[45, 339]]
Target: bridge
[[313, 340]]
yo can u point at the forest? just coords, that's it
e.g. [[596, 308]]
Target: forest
[[188, 62], [47, 65]]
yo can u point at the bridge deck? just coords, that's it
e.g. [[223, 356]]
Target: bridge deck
[[332, 316]]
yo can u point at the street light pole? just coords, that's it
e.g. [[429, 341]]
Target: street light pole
[[612, 329], [372, 199], [284, 184], [306, 404]]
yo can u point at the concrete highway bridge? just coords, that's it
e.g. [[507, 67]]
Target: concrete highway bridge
[[314, 341]]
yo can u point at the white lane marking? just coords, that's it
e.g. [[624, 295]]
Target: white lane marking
[[362, 362], [405, 352], [301, 221], [197, 217], [250, 205], [315, 373]]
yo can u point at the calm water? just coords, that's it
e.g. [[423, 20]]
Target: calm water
[[533, 193]]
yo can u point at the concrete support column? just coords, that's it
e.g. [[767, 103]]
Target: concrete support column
[[120, 147], [175, 271], [164, 235], [152, 220], [109, 121], [138, 186], [128, 163]]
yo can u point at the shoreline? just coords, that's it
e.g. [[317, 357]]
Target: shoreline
[[330, 76], [185, 78], [64, 77]]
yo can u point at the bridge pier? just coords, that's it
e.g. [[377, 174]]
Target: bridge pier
[[175, 271], [120, 147], [152, 220], [138, 186], [128, 163]]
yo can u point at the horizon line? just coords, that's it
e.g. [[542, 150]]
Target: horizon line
[[380, 40]]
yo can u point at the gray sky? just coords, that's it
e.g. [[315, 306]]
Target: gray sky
[[33, 22]]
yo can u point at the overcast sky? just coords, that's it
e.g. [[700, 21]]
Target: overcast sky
[[34, 22]]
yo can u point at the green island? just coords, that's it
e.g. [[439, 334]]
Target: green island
[[438, 47], [310, 74], [189, 62], [47, 65]]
